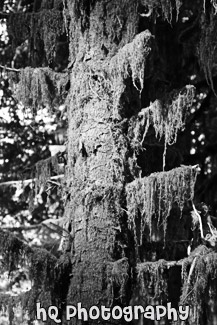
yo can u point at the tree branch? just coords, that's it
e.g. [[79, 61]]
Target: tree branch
[[47, 224], [167, 264], [9, 69], [27, 181], [21, 228]]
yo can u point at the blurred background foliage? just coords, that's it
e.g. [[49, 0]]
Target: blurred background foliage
[[24, 140]]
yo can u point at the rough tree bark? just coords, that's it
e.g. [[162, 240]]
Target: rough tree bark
[[100, 160]]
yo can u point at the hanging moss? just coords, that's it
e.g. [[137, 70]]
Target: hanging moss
[[101, 86], [49, 276], [32, 88], [45, 26], [43, 171], [16, 253], [156, 194], [198, 272], [41, 86], [166, 7], [7, 304], [131, 59], [51, 23], [26, 302], [117, 277], [167, 118], [213, 2], [105, 81], [42, 271], [45, 272], [13, 252], [18, 28], [208, 43], [153, 281], [51, 4]]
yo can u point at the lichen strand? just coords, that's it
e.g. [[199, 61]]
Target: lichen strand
[[155, 195], [153, 281], [41, 87], [117, 277], [167, 118], [214, 3], [208, 43], [199, 271], [166, 7], [46, 27]]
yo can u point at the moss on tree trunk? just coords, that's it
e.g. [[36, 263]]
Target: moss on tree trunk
[[98, 147]]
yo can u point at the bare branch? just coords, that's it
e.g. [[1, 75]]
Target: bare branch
[[54, 183], [9, 69], [27, 181], [21, 228]]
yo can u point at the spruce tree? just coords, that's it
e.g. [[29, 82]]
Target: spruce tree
[[133, 76]]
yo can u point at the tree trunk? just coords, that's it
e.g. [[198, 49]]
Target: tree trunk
[[99, 157]]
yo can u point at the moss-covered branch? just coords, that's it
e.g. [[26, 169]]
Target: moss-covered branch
[[153, 280], [41, 86], [198, 272], [156, 194], [117, 277], [16, 253], [131, 59], [105, 81], [46, 27], [45, 271], [167, 117]]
